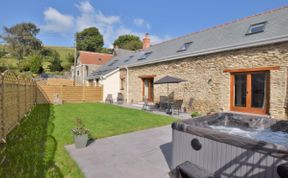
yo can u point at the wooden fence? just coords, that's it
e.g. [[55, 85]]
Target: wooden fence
[[68, 94], [19, 94], [17, 97], [59, 81]]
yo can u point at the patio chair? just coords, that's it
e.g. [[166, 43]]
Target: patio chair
[[120, 98], [176, 106], [109, 99], [163, 103], [171, 97]]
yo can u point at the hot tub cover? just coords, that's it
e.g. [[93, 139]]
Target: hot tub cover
[[200, 128]]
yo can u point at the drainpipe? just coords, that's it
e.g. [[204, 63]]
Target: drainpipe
[[83, 72], [127, 86]]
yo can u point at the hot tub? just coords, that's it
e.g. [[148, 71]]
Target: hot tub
[[231, 145]]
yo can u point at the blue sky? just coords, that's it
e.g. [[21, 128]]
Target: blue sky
[[163, 19]]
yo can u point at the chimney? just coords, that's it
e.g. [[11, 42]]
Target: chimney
[[114, 50], [146, 41]]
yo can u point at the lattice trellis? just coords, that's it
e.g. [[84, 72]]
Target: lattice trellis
[[10, 76]]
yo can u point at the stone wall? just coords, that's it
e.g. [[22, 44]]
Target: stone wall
[[84, 70], [208, 87]]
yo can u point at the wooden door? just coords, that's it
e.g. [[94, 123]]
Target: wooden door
[[148, 89], [249, 92]]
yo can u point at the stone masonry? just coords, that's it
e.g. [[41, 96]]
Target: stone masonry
[[208, 86]]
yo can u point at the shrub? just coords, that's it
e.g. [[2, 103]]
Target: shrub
[[55, 62], [36, 64], [55, 65], [24, 65], [195, 114], [2, 67], [3, 53]]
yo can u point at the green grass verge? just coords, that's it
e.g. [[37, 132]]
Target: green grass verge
[[36, 147]]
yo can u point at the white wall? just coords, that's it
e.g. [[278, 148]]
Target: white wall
[[111, 85]]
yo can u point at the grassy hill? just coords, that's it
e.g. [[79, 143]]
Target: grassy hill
[[63, 51], [11, 62]]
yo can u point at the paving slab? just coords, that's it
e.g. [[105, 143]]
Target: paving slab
[[181, 115], [141, 154]]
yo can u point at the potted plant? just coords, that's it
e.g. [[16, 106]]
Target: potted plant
[[81, 134]]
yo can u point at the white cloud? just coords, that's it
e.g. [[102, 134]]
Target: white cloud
[[57, 22], [141, 23], [85, 7], [109, 26], [90, 17], [109, 20]]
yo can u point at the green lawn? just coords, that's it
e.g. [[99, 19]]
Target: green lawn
[[36, 147]]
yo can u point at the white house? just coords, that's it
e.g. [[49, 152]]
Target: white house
[[108, 75]]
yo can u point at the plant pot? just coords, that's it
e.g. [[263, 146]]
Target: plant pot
[[81, 140]]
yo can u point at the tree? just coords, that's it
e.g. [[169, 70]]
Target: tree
[[55, 62], [21, 39], [53, 57], [130, 42], [36, 64], [89, 39], [107, 50], [2, 53], [24, 65]]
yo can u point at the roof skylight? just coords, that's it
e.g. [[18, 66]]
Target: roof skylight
[[113, 62], [256, 28], [185, 46], [145, 55], [129, 58]]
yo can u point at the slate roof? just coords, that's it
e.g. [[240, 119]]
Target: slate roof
[[86, 57], [224, 37], [121, 58]]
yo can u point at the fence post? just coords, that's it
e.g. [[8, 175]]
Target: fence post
[[35, 89], [83, 94], [2, 126], [25, 86], [61, 93], [18, 100], [31, 94]]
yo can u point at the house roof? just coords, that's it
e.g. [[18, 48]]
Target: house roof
[[224, 37], [121, 58], [86, 57], [121, 52]]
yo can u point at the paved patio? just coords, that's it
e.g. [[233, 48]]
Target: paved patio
[[139, 154], [182, 116]]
